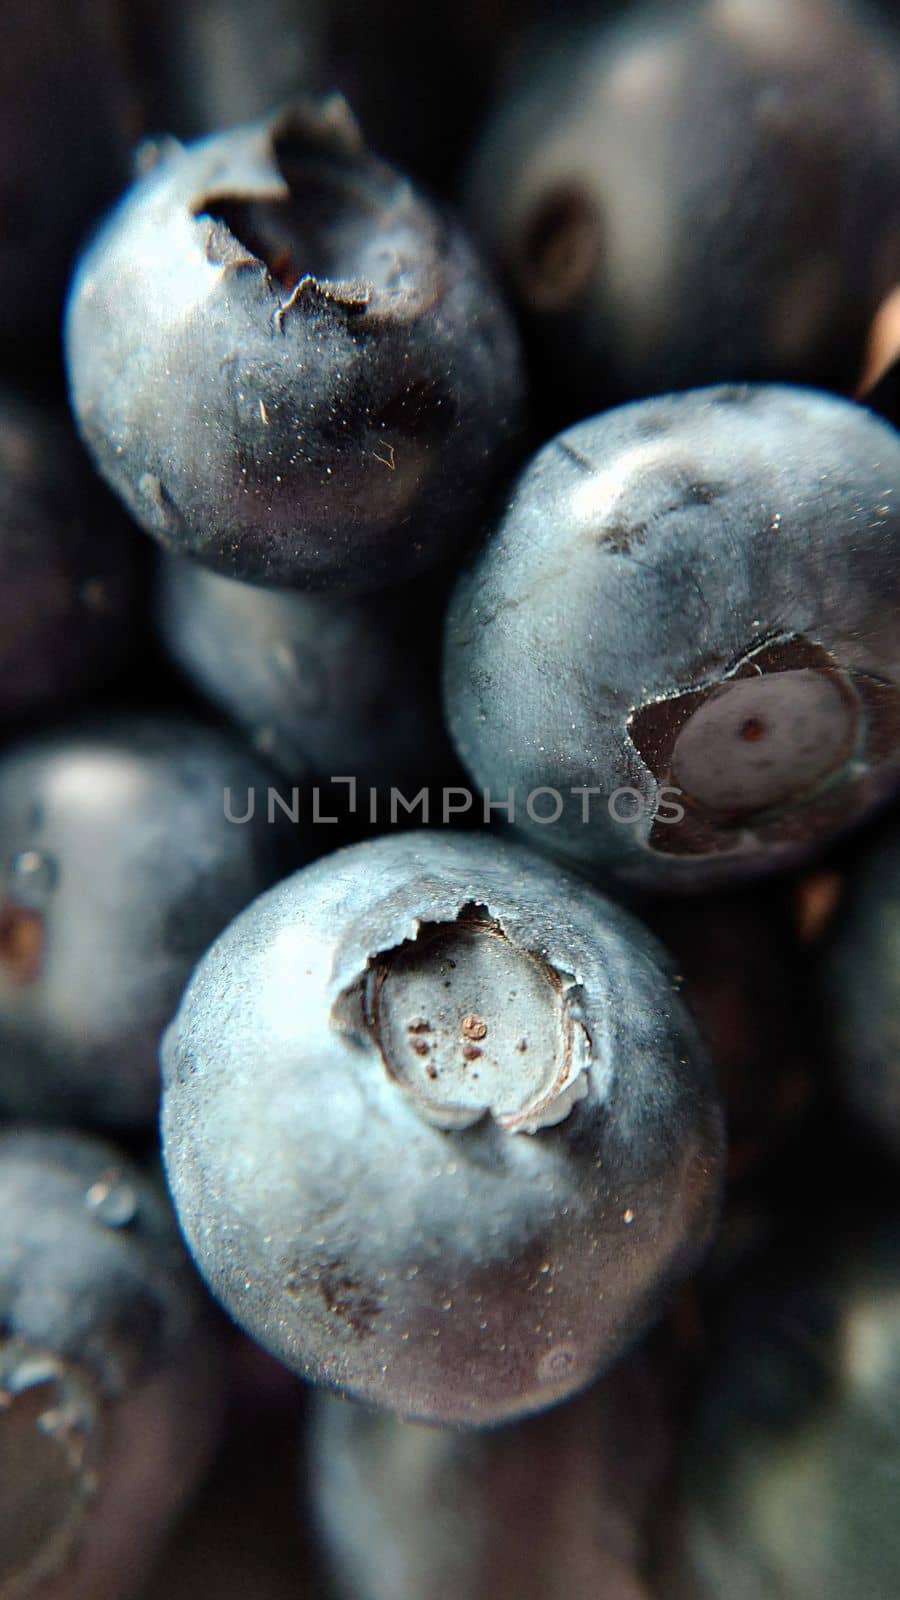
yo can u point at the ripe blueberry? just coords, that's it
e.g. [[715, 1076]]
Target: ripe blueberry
[[118, 867], [685, 625], [691, 194], [288, 362], [553, 1507], [324, 685], [109, 1378], [438, 1128]]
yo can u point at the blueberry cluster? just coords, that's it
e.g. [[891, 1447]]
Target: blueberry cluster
[[454, 858]]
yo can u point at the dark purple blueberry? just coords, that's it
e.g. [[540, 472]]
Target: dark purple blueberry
[[682, 195], [289, 363]]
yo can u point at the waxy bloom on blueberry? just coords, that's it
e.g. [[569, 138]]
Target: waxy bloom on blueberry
[[289, 363], [118, 866], [692, 599], [438, 1128], [324, 685], [110, 1383]]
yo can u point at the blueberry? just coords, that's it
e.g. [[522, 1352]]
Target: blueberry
[[550, 1508], [118, 866], [859, 989], [288, 362], [790, 1469], [691, 194], [689, 609], [69, 569], [109, 1376], [438, 1128], [325, 686]]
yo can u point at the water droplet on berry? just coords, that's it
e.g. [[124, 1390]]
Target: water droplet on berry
[[111, 1200], [32, 877]]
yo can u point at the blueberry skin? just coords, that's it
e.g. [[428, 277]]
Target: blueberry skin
[[693, 593], [69, 567], [790, 1467], [550, 1508], [324, 685], [290, 364], [118, 866], [109, 1371], [694, 194], [413, 1087], [859, 990]]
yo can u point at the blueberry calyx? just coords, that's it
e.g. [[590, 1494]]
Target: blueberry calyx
[[326, 222], [758, 742], [781, 728], [522, 1061]]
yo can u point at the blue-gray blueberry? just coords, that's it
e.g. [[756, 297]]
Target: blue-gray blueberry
[[324, 685], [118, 866], [685, 627], [553, 1507], [289, 363], [439, 1130], [110, 1382]]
